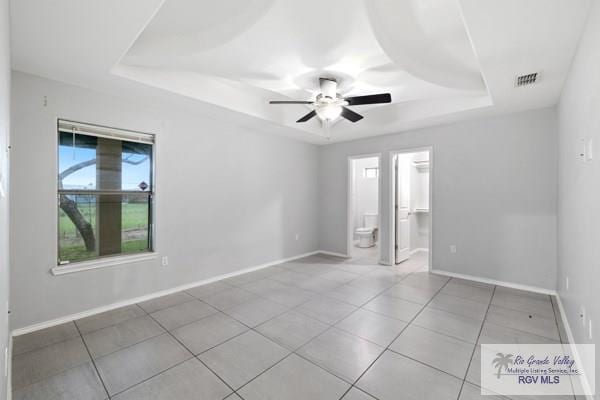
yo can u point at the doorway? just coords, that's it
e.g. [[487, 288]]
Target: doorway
[[364, 183], [411, 205]]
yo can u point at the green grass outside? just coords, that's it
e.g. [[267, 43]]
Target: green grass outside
[[134, 217], [78, 252]]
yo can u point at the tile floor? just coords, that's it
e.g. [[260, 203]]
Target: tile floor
[[370, 254], [317, 328]]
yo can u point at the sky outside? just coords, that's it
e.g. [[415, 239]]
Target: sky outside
[[132, 175]]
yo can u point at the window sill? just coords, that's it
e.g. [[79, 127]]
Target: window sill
[[102, 263]]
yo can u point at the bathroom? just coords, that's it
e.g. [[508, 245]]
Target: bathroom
[[364, 215]]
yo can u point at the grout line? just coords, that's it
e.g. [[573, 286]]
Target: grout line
[[79, 333], [330, 326], [556, 312], [47, 345], [210, 369], [263, 372], [218, 376], [167, 369], [398, 335], [145, 313], [344, 380], [112, 324], [132, 344], [476, 341], [253, 329], [129, 345], [539, 316], [526, 332], [177, 340], [58, 372], [192, 356], [170, 306], [153, 376], [224, 341], [93, 361], [266, 337], [131, 301], [294, 308], [428, 365]]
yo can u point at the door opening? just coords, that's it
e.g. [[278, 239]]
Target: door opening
[[364, 209], [411, 206]]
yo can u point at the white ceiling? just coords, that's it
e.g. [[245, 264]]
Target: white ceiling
[[442, 60]]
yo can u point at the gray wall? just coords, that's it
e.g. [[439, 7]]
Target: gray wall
[[494, 195], [227, 198], [230, 198], [579, 187], [4, 129]]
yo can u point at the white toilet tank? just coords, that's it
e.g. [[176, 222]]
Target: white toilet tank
[[370, 220]]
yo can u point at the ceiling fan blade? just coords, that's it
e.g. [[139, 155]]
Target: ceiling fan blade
[[369, 99], [289, 102], [307, 116], [351, 115]]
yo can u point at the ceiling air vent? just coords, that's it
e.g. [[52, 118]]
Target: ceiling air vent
[[526, 80]]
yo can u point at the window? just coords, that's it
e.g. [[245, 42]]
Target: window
[[105, 192], [372, 172]]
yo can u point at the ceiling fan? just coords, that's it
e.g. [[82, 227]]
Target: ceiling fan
[[329, 105]]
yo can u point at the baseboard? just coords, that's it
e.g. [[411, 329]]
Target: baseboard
[[563, 316], [585, 384], [418, 249], [331, 253], [495, 282], [123, 303]]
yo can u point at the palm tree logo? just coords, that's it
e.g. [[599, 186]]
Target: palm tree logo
[[502, 361]]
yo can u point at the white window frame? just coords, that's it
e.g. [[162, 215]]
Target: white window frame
[[111, 133]]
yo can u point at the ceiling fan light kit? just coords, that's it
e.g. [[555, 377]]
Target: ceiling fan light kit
[[330, 105]]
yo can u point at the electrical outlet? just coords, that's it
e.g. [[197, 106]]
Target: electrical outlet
[[297, 236], [165, 261], [453, 248], [590, 329], [567, 283]]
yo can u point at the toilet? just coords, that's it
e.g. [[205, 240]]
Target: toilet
[[367, 235]]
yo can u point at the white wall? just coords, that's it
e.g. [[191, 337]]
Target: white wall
[[366, 196], [4, 217], [419, 198], [579, 187], [227, 198], [494, 195]]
